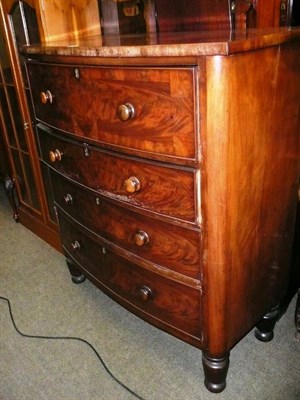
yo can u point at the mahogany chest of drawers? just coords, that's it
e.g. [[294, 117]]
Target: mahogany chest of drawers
[[175, 181]]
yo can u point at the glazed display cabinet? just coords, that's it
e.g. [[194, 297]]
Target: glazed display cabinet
[[27, 183]]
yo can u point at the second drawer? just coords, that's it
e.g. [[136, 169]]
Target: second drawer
[[156, 187]]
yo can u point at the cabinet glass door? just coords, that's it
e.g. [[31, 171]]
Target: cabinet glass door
[[18, 118]]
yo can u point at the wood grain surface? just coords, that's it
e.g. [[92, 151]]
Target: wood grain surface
[[163, 100], [173, 305], [169, 246], [250, 187], [164, 189]]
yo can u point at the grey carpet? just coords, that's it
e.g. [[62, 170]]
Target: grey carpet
[[154, 364]]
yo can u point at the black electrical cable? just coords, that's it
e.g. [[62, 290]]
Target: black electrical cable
[[71, 338]]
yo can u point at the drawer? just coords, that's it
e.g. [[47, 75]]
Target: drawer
[[168, 302], [148, 109], [168, 245], [159, 188]]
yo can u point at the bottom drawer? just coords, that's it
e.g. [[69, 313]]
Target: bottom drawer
[[161, 301]]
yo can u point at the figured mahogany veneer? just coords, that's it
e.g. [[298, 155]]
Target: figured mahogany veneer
[[170, 302], [164, 189], [89, 102], [175, 177], [124, 228]]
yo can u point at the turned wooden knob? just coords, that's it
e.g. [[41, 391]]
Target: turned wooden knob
[[141, 238], [145, 293], [68, 199], [46, 97], [132, 184], [55, 155], [125, 112], [75, 245]]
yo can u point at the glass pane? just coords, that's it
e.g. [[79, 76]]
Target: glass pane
[[18, 25], [296, 14], [7, 118], [4, 61], [19, 30], [22, 60], [31, 182], [25, 28], [32, 24], [17, 118], [29, 103], [4, 163], [48, 192], [19, 177]]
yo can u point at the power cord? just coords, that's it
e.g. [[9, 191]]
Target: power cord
[[71, 338]]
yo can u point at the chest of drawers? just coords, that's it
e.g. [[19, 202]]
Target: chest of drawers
[[175, 181]]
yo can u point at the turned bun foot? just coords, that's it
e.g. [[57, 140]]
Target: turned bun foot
[[76, 275], [265, 328], [78, 279], [263, 336], [215, 371]]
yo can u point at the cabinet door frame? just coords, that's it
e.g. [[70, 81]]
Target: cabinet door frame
[[35, 218]]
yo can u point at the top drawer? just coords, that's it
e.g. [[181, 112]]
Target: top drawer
[[139, 110]]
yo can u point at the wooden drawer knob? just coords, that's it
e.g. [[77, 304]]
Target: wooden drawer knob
[[132, 184], [145, 293], [141, 238], [125, 112], [75, 245], [68, 199], [46, 97], [55, 155]]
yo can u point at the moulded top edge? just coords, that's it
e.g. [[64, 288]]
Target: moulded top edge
[[176, 44]]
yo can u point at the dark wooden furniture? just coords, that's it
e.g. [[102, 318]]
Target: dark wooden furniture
[[26, 179], [294, 283], [277, 13], [175, 168], [4, 163], [29, 21]]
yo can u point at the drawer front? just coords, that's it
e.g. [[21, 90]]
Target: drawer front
[[164, 244], [155, 187], [169, 302], [92, 101]]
